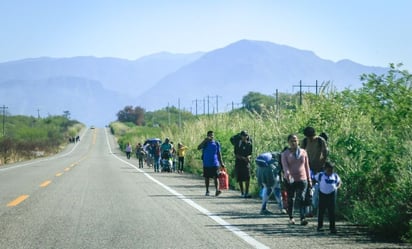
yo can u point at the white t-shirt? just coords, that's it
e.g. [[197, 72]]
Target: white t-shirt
[[327, 184]]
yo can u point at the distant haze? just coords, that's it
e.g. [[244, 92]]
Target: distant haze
[[95, 89]]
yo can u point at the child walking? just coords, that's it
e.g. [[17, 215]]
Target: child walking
[[329, 182]]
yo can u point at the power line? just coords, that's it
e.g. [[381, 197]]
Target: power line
[[300, 89]]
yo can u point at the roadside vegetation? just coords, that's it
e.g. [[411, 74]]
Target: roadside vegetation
[[26, 137], [370, 142]]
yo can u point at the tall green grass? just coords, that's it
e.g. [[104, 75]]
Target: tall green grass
[[373, 164], [369, 140]]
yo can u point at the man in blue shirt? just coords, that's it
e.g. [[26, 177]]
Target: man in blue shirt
[[212, 160]]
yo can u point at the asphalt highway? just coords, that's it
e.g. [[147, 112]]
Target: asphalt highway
[[91, 196]]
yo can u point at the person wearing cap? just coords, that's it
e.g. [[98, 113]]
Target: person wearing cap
[[243, 154]]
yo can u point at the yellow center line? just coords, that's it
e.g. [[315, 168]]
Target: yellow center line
[[17, 201], [45, 184], [21, 198]]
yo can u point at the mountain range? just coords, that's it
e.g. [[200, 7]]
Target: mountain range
[[94, 89]]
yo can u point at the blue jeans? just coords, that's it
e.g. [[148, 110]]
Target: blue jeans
[[266, 192], [156, 164]]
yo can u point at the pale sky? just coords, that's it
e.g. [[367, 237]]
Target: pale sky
[[370, 32]]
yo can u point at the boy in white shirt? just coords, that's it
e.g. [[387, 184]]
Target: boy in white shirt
[[329, 182]]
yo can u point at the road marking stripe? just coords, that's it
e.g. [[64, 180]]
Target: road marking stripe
[[235, 230], [59, 174], [43, 160], [17, 201], [45, 184], [66, 169]]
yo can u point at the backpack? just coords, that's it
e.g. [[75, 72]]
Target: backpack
[[235, 139], [319, 138], [324, 135], [270, 158]]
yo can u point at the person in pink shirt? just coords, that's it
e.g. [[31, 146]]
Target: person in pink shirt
[[295, 165]]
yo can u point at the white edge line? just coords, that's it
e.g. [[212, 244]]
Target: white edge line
[[244, 236]]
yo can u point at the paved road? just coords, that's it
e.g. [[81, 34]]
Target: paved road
[[91, 196]]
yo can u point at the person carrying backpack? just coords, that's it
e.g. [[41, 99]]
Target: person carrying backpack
[[140, 154], [317, 150], [268, 175]]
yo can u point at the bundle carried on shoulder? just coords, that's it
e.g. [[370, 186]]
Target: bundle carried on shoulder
[[236, 139]]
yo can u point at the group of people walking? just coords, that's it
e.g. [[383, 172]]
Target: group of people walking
[[299, 177], [302, 168], [153, 152]]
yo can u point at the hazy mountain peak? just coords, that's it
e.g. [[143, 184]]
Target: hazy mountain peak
[[105, 85]]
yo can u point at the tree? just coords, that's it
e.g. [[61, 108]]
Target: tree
[[139, 115], [66, 114], [388, 100], [257, 102], [129, 114]]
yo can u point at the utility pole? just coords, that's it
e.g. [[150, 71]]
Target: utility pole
[[204, 106], [217, 102], [300, 89], [233, 104], [38, 113], [4, 116], [196, 100], [277, 103], [180, 113], [168, 112], [208, 104]]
